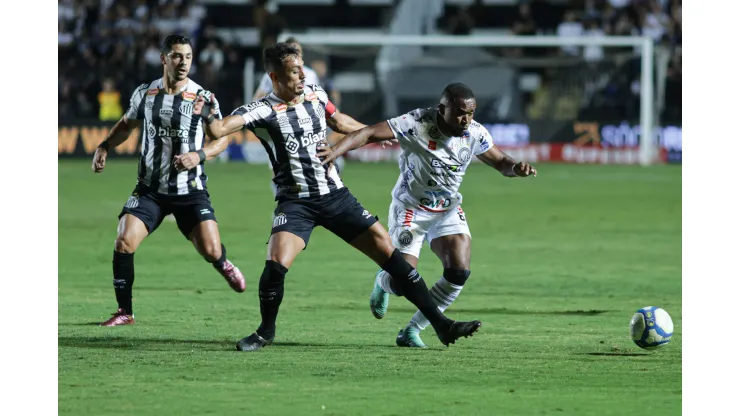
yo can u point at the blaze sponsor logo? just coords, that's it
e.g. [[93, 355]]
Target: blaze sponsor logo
[[170, 132], [438, 164]]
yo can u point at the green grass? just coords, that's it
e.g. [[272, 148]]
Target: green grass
[[560, 264]]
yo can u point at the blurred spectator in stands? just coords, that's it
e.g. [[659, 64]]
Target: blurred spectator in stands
[[461, 22], [109, 100], [570, 27], [524, 23], [673, 93], [619, 4], [593, 53], [326, 82], [655, 22], [211, 61]]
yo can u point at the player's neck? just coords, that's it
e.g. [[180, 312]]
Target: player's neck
[[442, 126], [287, 97], [172, 86]]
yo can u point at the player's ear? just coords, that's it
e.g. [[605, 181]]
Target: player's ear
[[273, 76], [441, 108], [162, 58]]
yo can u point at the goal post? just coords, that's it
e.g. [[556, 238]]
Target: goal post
[[648, 144]]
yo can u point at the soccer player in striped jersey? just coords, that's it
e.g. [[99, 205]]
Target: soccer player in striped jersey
[[171, 178], [437, 144], [291, 122], [265, 88]]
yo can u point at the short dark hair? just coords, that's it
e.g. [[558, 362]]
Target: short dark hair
[[274, 55], [174, 40], [456, 90], [292, 40]]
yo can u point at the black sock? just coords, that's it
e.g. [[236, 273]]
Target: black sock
[[271, 290], [221, 260], [414, 289], [123, 279]]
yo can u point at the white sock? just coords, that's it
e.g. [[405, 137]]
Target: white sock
[[383, 279], [443, 293]]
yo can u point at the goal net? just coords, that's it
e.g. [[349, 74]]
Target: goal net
[[544, 98]]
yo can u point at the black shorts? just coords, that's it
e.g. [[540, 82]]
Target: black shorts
[[338, 212], [151, 207]]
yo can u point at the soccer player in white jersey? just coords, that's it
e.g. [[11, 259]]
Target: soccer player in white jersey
[[171, 178], [437, 145], [312, 78], [291, 123]]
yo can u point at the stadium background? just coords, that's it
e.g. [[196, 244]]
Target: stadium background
[[581, 96], [560, 262]]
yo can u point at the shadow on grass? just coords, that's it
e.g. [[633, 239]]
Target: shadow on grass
[[479, 311], [171, 344], [615, 354]]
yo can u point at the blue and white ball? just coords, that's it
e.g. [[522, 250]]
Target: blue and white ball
[[651, 327]]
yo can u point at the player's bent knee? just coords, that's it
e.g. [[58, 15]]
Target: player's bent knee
[[125, 244], [212, 251], [456, 276]]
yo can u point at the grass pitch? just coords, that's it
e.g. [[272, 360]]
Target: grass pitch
[[559, 265]]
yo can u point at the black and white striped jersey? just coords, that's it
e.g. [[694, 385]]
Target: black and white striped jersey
[[168, 128], [290, 133]]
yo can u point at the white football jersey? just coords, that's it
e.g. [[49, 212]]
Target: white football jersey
[[433, 165]]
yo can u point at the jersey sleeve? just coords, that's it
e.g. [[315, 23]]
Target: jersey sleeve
[[483, 141], [217, 107], [136, 106], [266, 83], [404, 128], [329, 108], [255, 114]]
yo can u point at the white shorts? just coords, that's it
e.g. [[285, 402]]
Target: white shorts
[[409, 226]]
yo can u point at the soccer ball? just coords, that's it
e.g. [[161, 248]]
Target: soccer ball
[[651, 327]]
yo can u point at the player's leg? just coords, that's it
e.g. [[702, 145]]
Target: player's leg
[[196, 220], [291, 229], [450, 241], [407, 235], [141, 215], [350, 221]]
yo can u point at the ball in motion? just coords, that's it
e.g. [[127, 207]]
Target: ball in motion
[[651, 327]]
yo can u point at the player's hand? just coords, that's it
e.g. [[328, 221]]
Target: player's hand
[[390, 142], [187, 161], [98, 163], [524, 169], [205, 103], [325, 154]]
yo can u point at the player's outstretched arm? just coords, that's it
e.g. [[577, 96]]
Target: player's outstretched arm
[[215, 127], [505, 164], [369, 134], [117, 135], [344, 124], [190, 160]]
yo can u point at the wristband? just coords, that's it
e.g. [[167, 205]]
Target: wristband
[[202, 155], [210, 118], [104, 145]]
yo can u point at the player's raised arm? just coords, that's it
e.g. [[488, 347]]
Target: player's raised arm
[[497, 159], [379, 132], [122, 130]]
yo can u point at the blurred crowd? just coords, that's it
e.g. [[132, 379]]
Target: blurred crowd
[[108, 47]]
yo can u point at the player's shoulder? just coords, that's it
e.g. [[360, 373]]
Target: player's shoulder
[[260, 108], [476, 129]]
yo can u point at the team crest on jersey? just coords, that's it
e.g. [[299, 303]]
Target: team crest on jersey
[[434, 133], [280, 107], [186, 108], [405, 238], [464, 154]]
